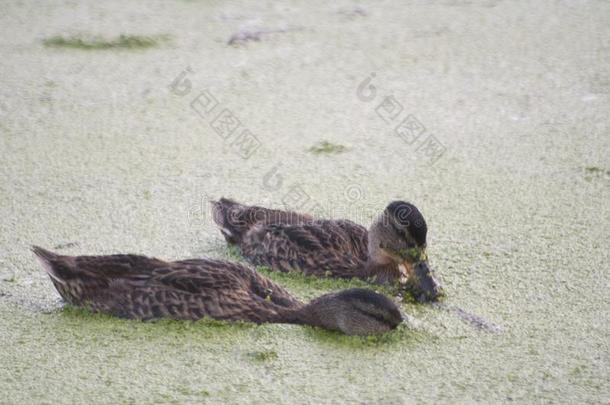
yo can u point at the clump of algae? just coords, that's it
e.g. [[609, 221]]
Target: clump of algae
[[98, 43], [327, 148], [264, 355]]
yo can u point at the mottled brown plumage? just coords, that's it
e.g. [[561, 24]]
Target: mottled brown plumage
[[392, 250], [139, 287]]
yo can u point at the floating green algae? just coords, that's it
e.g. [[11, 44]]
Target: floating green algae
[[264, 355], [98, 43], [327, 148]]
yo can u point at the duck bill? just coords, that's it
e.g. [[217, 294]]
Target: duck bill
[[422, 282]]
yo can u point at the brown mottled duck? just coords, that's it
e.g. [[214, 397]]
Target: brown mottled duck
[[392, 250], [139, 287]]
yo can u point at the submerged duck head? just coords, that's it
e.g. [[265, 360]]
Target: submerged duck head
[[399, 236], [356, 311]]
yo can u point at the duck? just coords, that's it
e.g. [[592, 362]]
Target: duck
[[146, 288], [392, 250]]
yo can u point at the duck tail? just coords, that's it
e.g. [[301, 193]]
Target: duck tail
[[50, 263], [232, 219]]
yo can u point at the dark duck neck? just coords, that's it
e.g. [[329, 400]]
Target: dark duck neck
[[354, 312], [379, 267]]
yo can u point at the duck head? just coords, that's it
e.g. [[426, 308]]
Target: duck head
[[356, 311], [398, 238]]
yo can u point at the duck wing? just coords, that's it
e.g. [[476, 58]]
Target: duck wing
[[323, 248], [193, 289], [235, 219], [231, 275]]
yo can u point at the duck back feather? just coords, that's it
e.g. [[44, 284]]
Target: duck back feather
[[235, 219]]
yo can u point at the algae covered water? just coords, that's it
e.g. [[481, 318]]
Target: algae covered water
[[119, 121]]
